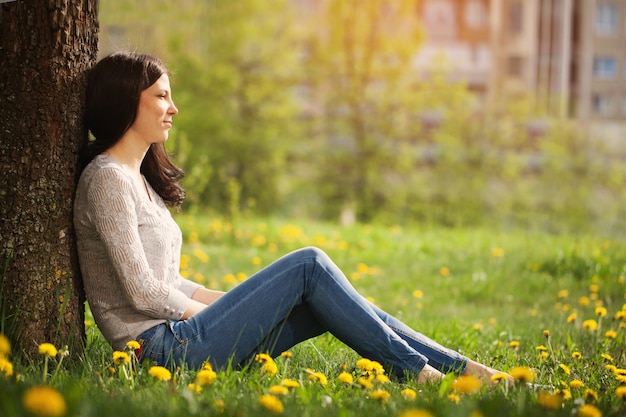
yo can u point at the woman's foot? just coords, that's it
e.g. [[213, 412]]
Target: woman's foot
[[487, 375], [429, 375]]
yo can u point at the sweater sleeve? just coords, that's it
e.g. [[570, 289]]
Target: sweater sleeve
[[111, 200]]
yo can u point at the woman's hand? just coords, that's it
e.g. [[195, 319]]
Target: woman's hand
[[200, 299]]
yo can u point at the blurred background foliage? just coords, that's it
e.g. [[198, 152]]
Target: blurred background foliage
[[318, 113]]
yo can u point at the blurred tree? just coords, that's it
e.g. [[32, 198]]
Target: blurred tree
[[45, 48], [358, 65]]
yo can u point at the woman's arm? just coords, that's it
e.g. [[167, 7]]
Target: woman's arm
[[200, 299]]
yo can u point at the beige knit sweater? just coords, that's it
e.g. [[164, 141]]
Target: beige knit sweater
[[129, 253]]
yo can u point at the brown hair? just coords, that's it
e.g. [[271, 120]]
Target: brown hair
[[113, 89]]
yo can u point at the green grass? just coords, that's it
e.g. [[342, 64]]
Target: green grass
[[474, 290]]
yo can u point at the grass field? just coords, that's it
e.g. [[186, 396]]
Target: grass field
[[551, 306]]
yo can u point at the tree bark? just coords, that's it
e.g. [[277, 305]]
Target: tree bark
[[46, 46]]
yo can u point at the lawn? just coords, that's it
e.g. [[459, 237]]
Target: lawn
[[547, 307]]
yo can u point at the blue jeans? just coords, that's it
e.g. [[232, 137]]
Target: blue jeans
[[299, 296]]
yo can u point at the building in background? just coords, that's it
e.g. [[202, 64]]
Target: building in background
[[569, 54]]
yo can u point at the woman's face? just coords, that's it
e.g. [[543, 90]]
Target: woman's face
[[155, 112]]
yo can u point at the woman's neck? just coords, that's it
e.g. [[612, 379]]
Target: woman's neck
[[128, 153]]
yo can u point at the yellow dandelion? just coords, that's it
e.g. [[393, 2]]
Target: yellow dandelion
[[121, 358], [286, 354], [111, 370], [620, 392], [6, 367], [577, 355], [610, 334], [601, 311], [583, 301], [563, 294], [565, 368], [588, 410], [466, 384], [160, 373], [318, 377], [444, 271], [290, 383], [550, 401], [205, 377], [380, 395], [271, 403], [364, 364], [522, 374], [566, 394], [382, 379], [418, 294], [220, 405], [497, 252], [195, 388], [256, 260], [269, 368], [5, 346], [416, 412], [455, 398], [576, 384], [590, 324], [202, 257], [591, 396], [500, 376], [345, 378], [44, 401], [541, 348], [279, 390], [133, 345], [572, 318], [47, 349], [607, 357], [620, 315], [365, 383], [543, 355], [546, 333], [514, 344], [408, 394], [207, 366]]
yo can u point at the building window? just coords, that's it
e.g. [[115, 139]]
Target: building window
[[602, 105], [606, 19], [475, 14], [604, 67], [516, 17]]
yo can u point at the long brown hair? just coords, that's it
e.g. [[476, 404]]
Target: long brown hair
[[113, 89]]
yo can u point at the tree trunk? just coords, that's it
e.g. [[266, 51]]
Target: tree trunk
[[46, 46]]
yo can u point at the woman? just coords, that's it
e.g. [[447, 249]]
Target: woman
[[129, 252]]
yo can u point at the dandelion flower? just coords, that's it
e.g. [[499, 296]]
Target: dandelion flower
[[205, 377], [364, 364], [345, 378], [497, 252], [500, 376], [290, 383], [620, 392], [286, 354], [564, 393], [550, 401], [160, 373], [380, 395], [572, 318], [5, 346], [611, 334], [365, 383], [563, 294], [543, 355], [583, 301], [47, 349], [577, 355], [590, 324], [455, 398], [44, 401], [576, 383], [416, 412], [133, 345], [382, 379], [271, 403], [466, 384], [408, 394], [588, 410], [565, 368], [195, 388], [541, 348], [418, 294], [121, 358], [318, 377], [279, 390], [607, 357], [546, 333], [444, 271], [514, 344], [601, 311], [522, 374], [590, 396], [6, 367]]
